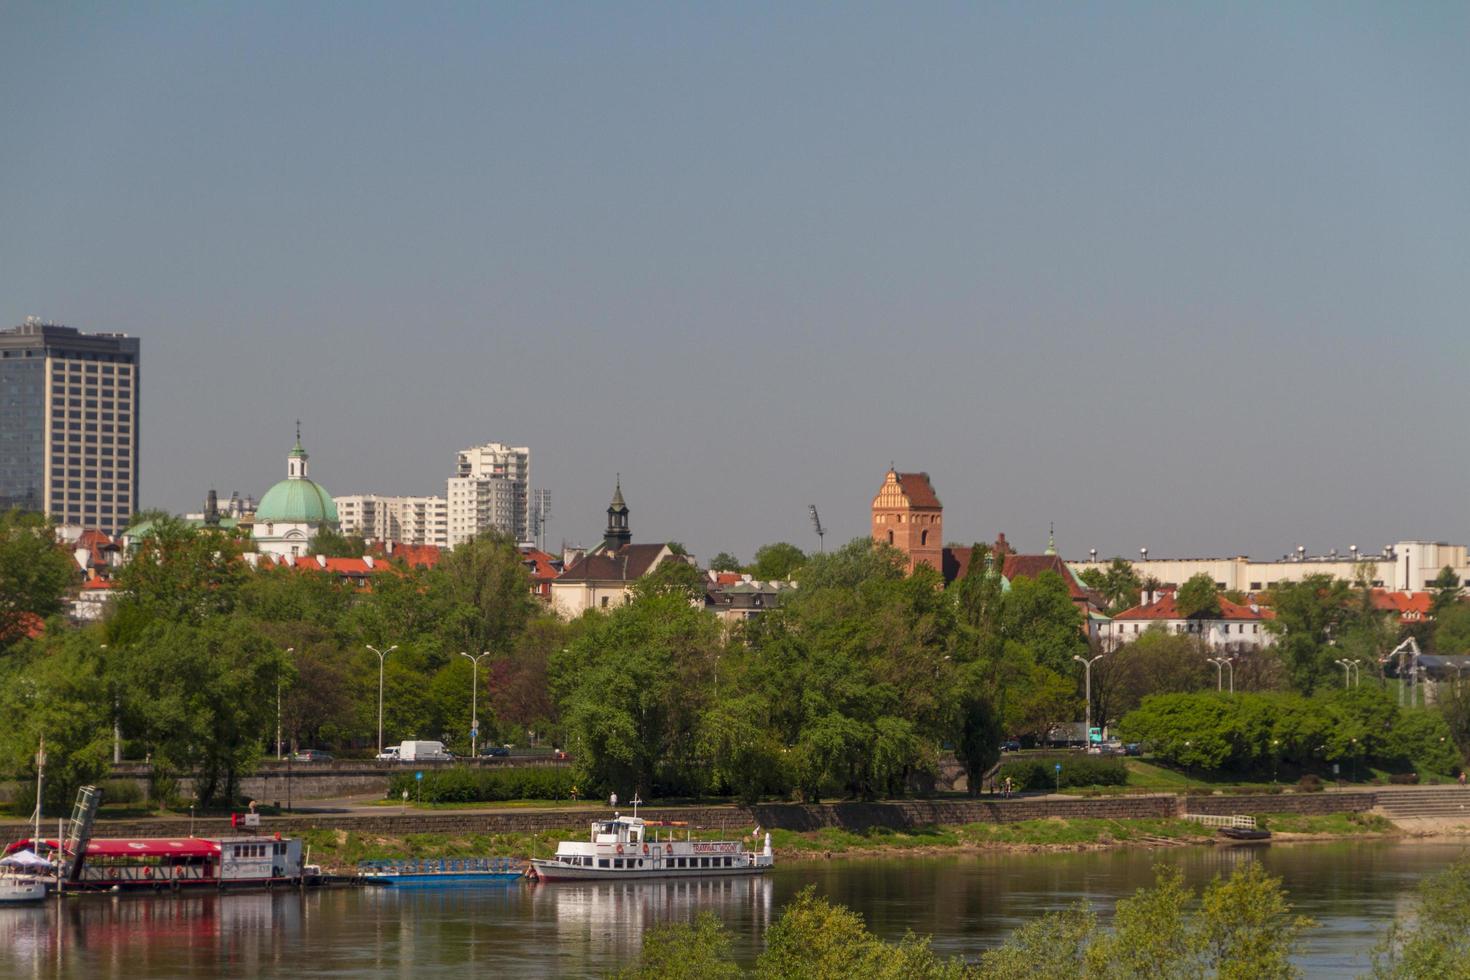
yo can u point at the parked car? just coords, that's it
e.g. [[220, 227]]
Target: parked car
[[390, 754], [1132, 748], [498, 751], [312, 755], [1010, 745], [423, 751]]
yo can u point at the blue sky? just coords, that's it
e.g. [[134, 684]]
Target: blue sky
[[1173, 275]]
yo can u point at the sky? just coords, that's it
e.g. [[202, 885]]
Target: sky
[[1184, 276]]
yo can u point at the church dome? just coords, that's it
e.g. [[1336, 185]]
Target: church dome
[[296, 501]]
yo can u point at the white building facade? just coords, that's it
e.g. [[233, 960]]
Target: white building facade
[[1408, 566], [407, 520], [490, 488]]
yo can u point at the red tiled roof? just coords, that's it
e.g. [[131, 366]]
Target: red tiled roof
[[25, 625], [1031, 566], [1407, 605], [417, 555], [351, 567], [1165, 607], [918, 489], [728, 578], [540, 563]]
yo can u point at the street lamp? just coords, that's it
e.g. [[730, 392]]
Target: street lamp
[[116, 721], [1347, 671], [289, 652], [1087, 674], [382, 654], [1220, 664], [474, 696]]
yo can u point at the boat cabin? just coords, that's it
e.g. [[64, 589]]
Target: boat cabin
[[176, 861]]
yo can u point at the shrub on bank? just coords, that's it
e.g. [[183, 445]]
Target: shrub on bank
[[464, 785], [1077, 770]]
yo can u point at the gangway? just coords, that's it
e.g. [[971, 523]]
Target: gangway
[[78, 832]]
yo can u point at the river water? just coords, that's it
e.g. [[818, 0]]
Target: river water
[[966, 903]]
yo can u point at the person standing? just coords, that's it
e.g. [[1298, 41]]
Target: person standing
[[613, 801]]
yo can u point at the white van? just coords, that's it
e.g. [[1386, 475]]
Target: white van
[[423, 752]]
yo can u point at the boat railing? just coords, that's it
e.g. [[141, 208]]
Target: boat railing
[[431, 866]]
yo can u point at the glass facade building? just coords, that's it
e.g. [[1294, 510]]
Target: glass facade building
[[69, 424]]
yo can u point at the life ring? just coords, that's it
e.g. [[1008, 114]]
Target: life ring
[[112, 873], [645, 850], [620, 848], [669, 849], [147, 872]]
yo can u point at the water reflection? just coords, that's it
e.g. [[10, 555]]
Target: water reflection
[[590, 929]]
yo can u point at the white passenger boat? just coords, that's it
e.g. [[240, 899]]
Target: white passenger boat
[[631, 849]]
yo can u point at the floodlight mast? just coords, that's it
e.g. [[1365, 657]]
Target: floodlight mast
[[817, 525]]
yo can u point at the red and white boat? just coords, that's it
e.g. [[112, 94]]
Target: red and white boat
[[632, 849], [179, 862]]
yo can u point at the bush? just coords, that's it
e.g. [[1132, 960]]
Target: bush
[[1309, 784], [1404, 778], [463, 785], [1077, 770]]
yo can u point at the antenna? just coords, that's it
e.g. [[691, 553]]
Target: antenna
[[817, 526]]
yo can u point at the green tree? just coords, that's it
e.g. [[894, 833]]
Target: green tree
[[1157, 662], [56, 689], [631, 689], [1040, 614], [724, 562], [1434, 941], [487, 594], [179, 574], [1052, 947], [814, 940], [1198, 597], [1246, 926], [1309, 614], [1119, 584], [1445, 589], [202, 697], [777, 561], [673, 576], [35, 573], [1152, 934], [330, 543], [1452, 629], [685, 951]]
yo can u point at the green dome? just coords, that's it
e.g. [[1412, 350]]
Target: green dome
[[296, 502]]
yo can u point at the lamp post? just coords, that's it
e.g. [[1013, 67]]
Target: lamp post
[[289, 652], [1087, 675], [1275, 757], [382, 655], [1220, 664], [1347, 671], [116, 721], [474, 699]]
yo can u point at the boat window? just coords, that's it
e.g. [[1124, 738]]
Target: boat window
[[602, 862], [617, 862]]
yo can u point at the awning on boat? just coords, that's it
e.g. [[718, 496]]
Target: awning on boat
[[25, 858], [139, 847]]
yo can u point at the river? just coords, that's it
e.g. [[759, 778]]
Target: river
[[966, 903]]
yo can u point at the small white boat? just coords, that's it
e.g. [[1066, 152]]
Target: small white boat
[[16, 889], [624, 849]]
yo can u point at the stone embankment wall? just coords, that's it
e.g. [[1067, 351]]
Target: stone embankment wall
[[786, 816], [1308, 803]]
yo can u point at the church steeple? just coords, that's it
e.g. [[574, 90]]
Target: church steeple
[[296, 458], [618, 532]]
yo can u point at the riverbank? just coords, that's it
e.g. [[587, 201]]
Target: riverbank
[[336, 849]]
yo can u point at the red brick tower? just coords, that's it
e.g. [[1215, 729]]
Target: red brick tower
[[908, 515]]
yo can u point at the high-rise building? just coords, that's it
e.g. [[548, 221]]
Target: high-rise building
[[69, 424], [490, 488], [406, 520]]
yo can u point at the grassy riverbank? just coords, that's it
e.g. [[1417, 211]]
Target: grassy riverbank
[[337, 849]]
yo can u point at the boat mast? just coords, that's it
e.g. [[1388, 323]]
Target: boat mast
[[40, 778]]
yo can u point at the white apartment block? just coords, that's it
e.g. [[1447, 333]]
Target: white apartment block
[[490, 488], [1408, 566], [407, 520]]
